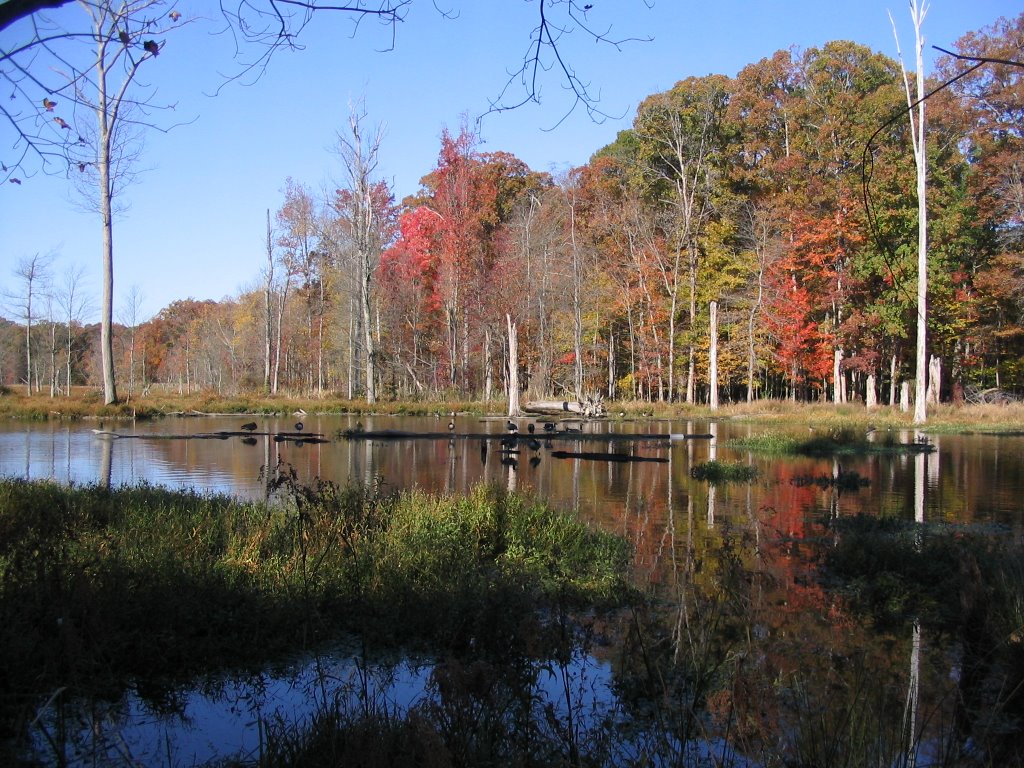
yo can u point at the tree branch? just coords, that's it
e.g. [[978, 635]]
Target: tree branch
[[15, 10]]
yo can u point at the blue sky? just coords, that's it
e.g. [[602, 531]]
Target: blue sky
[[196, 223]]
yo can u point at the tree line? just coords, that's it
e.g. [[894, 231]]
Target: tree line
[[749, 237]]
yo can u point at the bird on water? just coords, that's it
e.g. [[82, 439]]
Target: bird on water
[[249, 427], [298, 426]]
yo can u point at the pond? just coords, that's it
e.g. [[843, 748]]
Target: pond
[[678, 527], [967, 478]]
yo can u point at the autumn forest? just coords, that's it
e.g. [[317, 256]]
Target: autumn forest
[[749, 237]]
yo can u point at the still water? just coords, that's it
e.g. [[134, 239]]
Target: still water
[[967, 478], [653, 501]]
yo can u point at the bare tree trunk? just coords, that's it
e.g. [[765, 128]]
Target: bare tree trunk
[[713, 353], [892, 380], [280, 324], [320, 337], [488, 363], [611, 362], [513, 368], [870, 392], [934, 379], [360, 158], [53, 357], [268, 307], [577, 300], [917, 12], [104, 126], [691, 353], [837, 376], [351, 349]]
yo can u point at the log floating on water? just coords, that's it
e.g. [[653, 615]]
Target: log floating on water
[[298, 437], [596, 456], [397, 434]]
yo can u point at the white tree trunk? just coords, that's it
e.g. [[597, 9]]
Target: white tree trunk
[[892, 380], [917, 12], [713, 354], [513, 368], [870, 393], [934, 379], [837, 376]]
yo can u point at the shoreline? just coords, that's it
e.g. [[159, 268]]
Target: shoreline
[[88, 405]]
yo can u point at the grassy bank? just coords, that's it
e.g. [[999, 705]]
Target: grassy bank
[[100, 586], [88, 404]]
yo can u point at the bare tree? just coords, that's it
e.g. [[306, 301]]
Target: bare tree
[[74, 303], [918, 10], [129, 316], [268, 307], [362, 205], [74, 85], [33, 273]]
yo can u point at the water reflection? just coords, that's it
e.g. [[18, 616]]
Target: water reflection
[[967, 477], [735, 556]]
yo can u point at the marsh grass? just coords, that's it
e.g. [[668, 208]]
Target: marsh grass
[[87, 403], [716, 472], [101, 586], [844, 441]]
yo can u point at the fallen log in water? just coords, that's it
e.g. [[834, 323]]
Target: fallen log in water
[[590, 407], [608, 437], [298, 437], [594, 456]]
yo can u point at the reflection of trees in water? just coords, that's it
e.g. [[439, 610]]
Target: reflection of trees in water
[[743, 645]]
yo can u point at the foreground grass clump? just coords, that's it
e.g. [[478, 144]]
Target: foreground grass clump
[[99, 585]]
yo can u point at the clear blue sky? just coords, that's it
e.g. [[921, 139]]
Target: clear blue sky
[[196, 223]]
